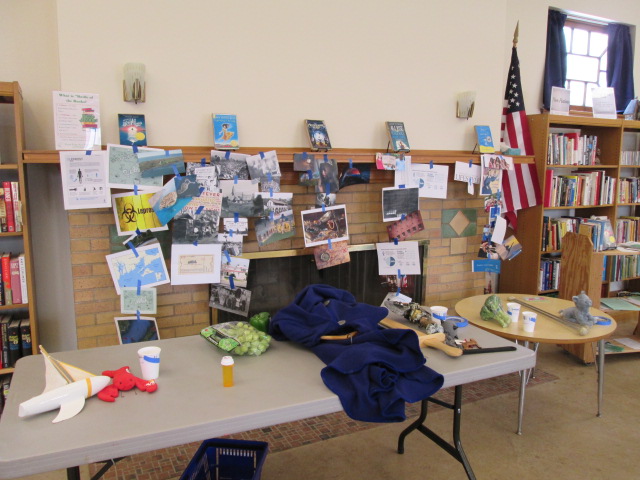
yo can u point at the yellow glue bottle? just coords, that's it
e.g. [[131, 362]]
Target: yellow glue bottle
[[227, 371]]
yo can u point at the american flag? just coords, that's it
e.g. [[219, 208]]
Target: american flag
[[514, 130]]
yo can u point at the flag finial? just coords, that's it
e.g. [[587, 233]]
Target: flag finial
[[515, 35]]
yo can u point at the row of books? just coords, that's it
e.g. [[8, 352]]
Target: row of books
[[630, 157], [627, 229], [13, 272], [571, 148], [553, 230], [10, 207], [5, 384], [578, 188], [628, 191], [600, 231], [16, 339], [549, 274], [623, 267]]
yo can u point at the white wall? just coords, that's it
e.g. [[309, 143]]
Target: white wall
[[353, 63]]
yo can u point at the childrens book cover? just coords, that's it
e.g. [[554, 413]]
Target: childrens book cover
[[398, 136], [225, 132], [484, 139], [133, 129], [318, 134]]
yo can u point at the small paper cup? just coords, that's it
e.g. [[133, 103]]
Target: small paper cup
[[529, 321], [513, 309], [439, 313], [149, 362]]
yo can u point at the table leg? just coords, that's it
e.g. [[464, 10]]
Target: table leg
[[600, 374]]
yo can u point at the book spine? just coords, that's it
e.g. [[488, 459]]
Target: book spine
[[16, 289], [5, 263], [17, 209], [3, 212], [8, 200], [14, 342], [23, 278], [4, 327], [25, 337]]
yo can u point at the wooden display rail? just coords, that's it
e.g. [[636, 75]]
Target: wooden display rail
[[285, 155]]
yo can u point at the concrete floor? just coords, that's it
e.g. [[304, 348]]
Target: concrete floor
[[562, 437]]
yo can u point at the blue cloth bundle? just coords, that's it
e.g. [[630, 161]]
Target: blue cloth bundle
[[373, 373]]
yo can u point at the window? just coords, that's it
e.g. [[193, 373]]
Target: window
[[586, 59]]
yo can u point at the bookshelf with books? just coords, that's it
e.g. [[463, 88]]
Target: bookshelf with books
[[18, 324]]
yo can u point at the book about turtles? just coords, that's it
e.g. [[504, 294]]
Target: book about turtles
[[225, 132], [398, 136], [318, 135]]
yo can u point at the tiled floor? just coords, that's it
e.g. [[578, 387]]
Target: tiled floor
[[169, 463]]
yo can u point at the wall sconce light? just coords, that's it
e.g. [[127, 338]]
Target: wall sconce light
[[466, 104], [133, 84]]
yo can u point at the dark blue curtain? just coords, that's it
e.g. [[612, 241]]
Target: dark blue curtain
[[620, 64], [555, 65]]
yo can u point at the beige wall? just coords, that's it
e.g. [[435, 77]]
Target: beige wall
[[353, 63]]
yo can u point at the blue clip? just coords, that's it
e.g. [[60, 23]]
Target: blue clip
[[236, 217], [88, 152], [235, 179], [135, 189], [195, 243], [199, 210], [470, 162], [226, 254], [431, 164], [203, 162], [350, 163], [329, 242], [261, 155], [227, 154], [139, 287], [133, 249], [326, 157], [395, 241], [327, 188], [231, 284], [135, 148]]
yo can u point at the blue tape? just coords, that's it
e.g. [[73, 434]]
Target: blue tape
[[138, 232], [460, 321], [304, 155], [310, 173], [133, 249], [235, 179], [226, 254], [401, 186], [175, 171], [602, 321], [323, 208], [403, 216], [329, 242], [135, 148], [200, 190], [88, 152], [236, 217], [395, 241], [327, 188], [350, 163], [271, 192], [135, 189], [261, 155], [231, 284], [231, 232], [199, 210], [151, 359], [203, 162], [470, 162], [269, 177], [271, 216], [138, 314], [326, 157], [227, 155], [139, 287], [195, 243], [431, 164]]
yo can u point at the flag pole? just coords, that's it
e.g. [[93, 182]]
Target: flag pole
[[515, 35]]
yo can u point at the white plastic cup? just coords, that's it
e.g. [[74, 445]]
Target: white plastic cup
[[513, 309], [149, 362], [439, 313], [529, 321]]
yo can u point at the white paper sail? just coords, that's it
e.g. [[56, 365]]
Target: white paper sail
[[58, 373]]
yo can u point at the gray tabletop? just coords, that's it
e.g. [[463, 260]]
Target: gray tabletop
[[190, 405]]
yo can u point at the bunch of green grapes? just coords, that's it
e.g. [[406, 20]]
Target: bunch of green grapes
[[252, 341]]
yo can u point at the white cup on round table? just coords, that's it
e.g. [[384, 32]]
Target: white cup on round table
[[513, 309], [529, 321]]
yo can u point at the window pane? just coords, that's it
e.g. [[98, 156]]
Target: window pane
[[603, 62], [603, 79], [580, 40], [567, 36], [582, 68], [576, 94], [598, 44]]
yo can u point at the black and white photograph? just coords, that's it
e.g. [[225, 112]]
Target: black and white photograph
[[230, 244], [270, 186], [207, 176], [241, 197], [321, 225], [236, 267], [231, 165], [397, 202], [303, 162], [262, 165], [234, 300], [189, 226], [328, 177], [277, 204], [231, 227], [325, 199]]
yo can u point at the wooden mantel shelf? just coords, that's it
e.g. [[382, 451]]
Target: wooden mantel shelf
[[285, 155]]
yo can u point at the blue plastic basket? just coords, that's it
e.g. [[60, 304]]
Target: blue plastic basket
[[227, 459]]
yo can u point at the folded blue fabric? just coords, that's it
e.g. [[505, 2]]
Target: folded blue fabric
[[375, 372]]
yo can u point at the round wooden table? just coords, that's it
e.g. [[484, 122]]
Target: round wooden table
[[547, 330]]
